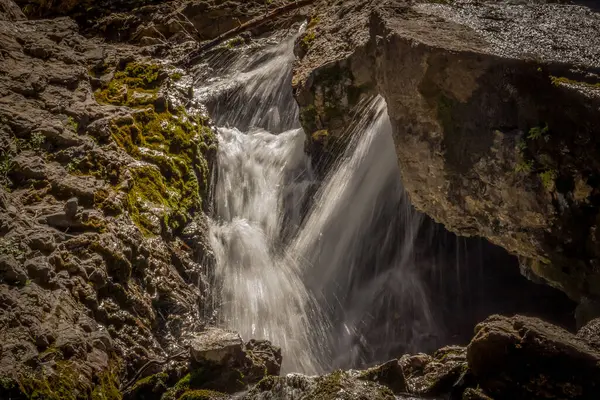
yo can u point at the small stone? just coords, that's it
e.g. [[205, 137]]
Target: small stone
[[71, 207]]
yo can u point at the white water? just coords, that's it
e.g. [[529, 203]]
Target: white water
[[330, 284]]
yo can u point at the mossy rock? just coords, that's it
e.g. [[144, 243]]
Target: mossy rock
[[64, 383], [208, 379], [174, 147], [149, 388], [202, 395]]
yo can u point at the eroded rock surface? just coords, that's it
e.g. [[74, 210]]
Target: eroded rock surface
[[495, 109], [99, 179]]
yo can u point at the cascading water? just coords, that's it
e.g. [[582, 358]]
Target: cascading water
[[289, 275], [332, 271]]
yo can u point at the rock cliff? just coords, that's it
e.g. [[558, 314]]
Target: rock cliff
[[495, 109]]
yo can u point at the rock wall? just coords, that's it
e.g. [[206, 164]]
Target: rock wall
[[495, 109]]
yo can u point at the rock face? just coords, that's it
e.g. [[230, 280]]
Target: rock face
[[495, 109], [100, 177]]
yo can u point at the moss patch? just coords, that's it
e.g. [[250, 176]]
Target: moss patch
[[151, 387], [62, 384], [208, 379], [202, 395], [168, 184]]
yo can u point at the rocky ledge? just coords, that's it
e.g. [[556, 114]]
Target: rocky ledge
[[495, 108], [508, 358]]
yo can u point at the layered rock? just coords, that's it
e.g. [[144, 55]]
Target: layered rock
[[102, 186], [495, 109]]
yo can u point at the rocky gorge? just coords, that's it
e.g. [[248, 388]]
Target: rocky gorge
[[110, 158]]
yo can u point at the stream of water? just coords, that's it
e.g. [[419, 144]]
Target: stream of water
[[323, 269]]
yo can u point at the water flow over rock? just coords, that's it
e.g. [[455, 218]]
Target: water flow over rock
[[290, 266]]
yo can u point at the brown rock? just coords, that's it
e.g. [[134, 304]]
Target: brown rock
[[525, 358]]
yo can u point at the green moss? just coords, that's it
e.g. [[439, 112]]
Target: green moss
[[149, 387], [73, 124], [208, 378], [201, 395], [63, 384], [308, 118], [314, 21], [167, 188], [548, 179], [176, 76], [329, 385], [307, 40], [107, 387], [557, 81], [235, 42], [137, 85]]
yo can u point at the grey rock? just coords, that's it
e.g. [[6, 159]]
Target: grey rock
[[216, 345], [590, 333]]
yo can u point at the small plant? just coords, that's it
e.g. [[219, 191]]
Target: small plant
[[521, 146], [73, 124], [6, 165], [537, 132], [9, 246], [548, 177], [524, 166], [307, 40], [176, 76], [37, 140]]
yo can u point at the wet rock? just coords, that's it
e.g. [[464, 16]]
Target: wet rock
[[493, 138], [39, 269], [264, 357], [71, 207], [524, 358], [475, 394], [337, 385], [216, 345], [433, 376], [389, 374]]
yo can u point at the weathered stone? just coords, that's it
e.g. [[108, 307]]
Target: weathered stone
[[71, 207], [216, 345], [590, 333], [10, 11], [524, 358], [389, 374]]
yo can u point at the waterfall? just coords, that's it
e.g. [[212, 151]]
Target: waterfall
[[326, 270]]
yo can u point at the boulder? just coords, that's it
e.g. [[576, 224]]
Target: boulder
[[524, 358], [216, 345], [494, 109]]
